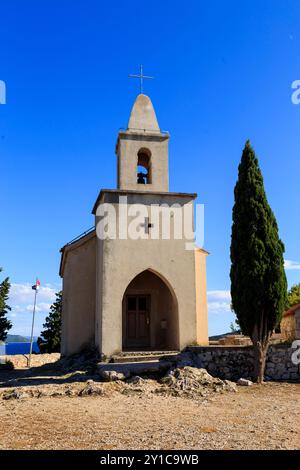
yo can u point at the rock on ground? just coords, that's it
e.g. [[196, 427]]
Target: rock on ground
[[244, 382], [113, 375], [190, 381], [91, 388]]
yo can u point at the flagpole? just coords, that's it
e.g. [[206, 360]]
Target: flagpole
[[32, 326]]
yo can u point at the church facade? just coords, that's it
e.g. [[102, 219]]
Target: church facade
[[143, 290]]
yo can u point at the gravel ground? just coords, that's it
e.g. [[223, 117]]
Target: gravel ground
[[256, 417]]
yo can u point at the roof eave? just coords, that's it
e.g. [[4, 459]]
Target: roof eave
[[144, 193], [72, 246]]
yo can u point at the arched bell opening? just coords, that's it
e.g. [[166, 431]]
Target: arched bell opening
[[144, 175]]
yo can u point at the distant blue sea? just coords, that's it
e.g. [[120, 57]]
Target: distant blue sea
[[20, 348]]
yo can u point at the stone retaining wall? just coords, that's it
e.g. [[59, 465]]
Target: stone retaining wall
[[20, 361], [234, 362]]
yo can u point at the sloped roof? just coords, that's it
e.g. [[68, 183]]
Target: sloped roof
[[292, 310], [78, 241]]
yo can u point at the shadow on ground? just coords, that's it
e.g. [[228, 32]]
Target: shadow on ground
[[78, 368]]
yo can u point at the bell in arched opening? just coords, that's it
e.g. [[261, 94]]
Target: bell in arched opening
[[144, 166]]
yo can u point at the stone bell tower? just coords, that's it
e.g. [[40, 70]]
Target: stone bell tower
[[142, 151]]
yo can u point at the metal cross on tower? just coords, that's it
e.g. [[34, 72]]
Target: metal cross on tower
[[141, 77]]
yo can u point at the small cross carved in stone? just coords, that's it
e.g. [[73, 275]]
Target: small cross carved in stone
[[147, 225]]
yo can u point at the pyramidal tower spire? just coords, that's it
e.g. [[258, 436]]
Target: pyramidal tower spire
[[142, 116]]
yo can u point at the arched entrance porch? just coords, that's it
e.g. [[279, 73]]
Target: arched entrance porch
[[150, 314]]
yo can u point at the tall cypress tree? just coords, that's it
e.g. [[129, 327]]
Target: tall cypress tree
[[258, 281], [50, 338], [5, 324]]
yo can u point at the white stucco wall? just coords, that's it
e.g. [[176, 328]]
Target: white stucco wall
[[125, 259], [79, 297]]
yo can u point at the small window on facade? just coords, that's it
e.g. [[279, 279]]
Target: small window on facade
[[131, 303], [144, 167]]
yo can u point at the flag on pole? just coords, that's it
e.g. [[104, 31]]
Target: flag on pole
[[36, 288], [37, 285]]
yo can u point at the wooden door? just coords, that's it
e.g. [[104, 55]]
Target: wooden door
[[137, 321]]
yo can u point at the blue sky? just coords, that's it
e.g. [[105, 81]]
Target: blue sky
[[223, 72]]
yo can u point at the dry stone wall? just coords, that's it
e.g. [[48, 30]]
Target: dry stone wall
[[234, 362], [20, 361]]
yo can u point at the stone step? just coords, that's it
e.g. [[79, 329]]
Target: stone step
[[134, 368], [144, 356]]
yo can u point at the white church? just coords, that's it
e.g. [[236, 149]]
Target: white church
[[124, 294]]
